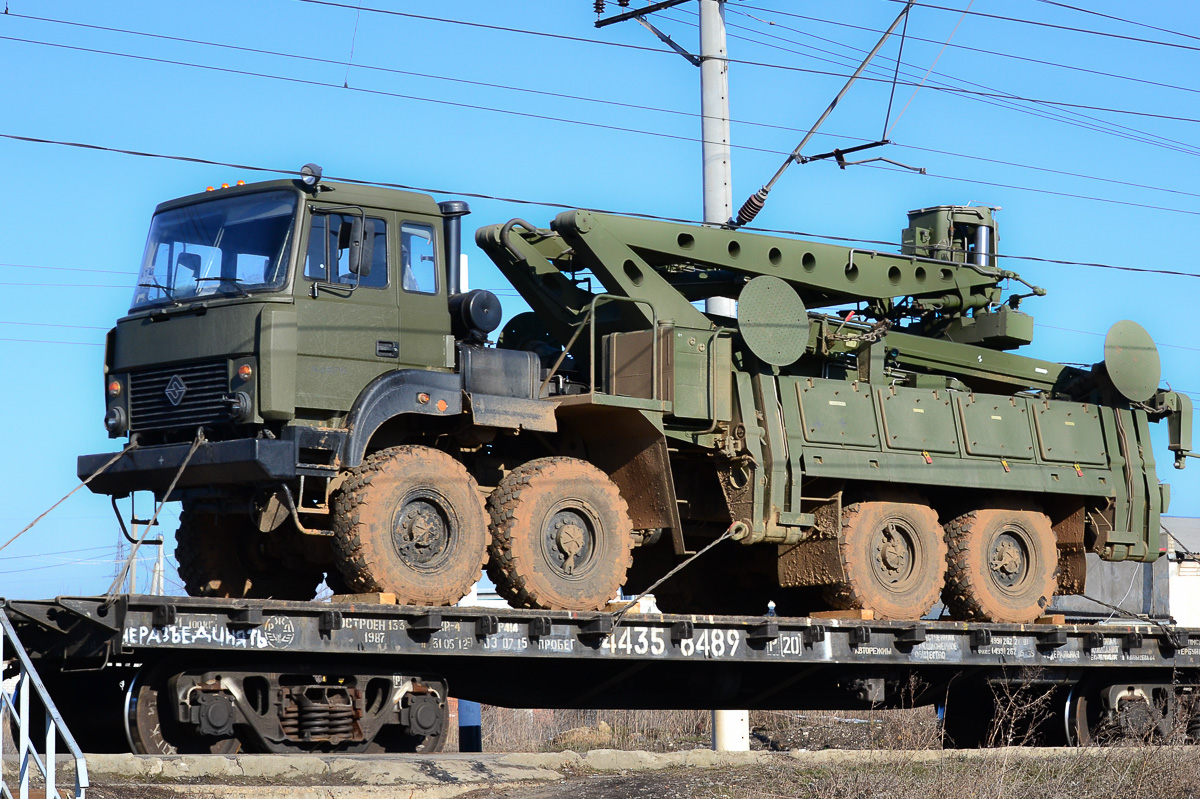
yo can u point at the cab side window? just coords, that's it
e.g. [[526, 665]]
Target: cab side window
[[328, 257], [418, 259]]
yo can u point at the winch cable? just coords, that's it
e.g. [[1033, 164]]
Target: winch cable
[[1189, 554], [1176, 639], [117, 582], [130, 446], [733, 530]]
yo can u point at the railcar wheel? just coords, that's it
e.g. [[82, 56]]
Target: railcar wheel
[[1002, 565], [222, 556], [151, 727], [893, 557], [1132, 713], [410, 521], [561, 536]]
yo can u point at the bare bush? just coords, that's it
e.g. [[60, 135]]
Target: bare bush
[[520, 730]]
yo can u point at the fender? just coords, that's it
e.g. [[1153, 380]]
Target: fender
[[396, 393]]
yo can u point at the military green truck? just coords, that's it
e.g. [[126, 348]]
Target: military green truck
[[301, 369]]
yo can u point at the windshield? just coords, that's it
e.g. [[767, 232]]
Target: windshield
[[222, 247]]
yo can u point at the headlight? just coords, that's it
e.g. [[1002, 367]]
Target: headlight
[[115, 421]]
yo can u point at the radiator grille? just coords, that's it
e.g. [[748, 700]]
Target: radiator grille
[[204, 387]]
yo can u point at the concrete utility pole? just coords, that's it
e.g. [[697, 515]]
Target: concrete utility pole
[[730, 728], [714, 113]]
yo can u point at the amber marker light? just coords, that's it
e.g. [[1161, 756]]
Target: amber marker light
[[224, 185], [241, 183], [245, 371], [210, 188], [114, 388]]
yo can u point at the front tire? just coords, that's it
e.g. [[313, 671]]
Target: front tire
[[561, 536], [226, 556], [410, 521]]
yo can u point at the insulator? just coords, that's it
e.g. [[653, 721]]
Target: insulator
[[599, 6], [623, 3], [754, 203]]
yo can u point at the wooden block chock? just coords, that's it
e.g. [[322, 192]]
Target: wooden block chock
[[365, 599], [1053, 618], [865, 614]]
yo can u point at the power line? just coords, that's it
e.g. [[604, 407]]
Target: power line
[[41, 341], [564, 206], [596, 100], [1040, 24], [379, 92], [50, 324], [526, 31], [70, 269], [999, 99], [512, 112], [981, 50], [6, 558], [1050, 192], [66, 285], [1094, 333], [1120, 19]]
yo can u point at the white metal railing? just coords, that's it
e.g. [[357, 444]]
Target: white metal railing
[[16, 707]]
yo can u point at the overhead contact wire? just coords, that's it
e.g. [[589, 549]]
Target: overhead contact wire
[[548, 204], [1032, 111]]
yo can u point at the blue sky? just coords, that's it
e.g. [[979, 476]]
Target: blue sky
[[577, 121]]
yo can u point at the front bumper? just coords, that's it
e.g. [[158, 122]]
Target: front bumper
[[241, 462]]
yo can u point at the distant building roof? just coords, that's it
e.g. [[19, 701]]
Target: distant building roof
[[1184, 530]]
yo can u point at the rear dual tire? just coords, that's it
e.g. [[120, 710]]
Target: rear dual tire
[[893, 558], [1002, 565], [561, 537]]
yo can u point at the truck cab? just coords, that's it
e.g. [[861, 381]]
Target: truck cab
[[270, 303]]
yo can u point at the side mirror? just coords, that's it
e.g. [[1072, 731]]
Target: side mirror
[[362, 246]]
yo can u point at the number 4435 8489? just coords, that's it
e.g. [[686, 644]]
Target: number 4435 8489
[[652, 641]]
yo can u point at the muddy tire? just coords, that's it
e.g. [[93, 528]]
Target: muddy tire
[[1002, 565], [894, 559], [226, 557], [410, 521], [561, 536]]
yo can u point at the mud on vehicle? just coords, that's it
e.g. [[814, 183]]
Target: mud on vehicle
[[302, 369]]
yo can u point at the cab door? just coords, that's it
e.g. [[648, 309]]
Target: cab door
[[425, 339], [347, 323]]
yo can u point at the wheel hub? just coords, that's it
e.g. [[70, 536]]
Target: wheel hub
[[422, 532], [568, 541], [1008, 560], [894, 554]]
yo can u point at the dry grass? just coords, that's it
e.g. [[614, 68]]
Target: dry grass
[[509, 730], [1146, 772]]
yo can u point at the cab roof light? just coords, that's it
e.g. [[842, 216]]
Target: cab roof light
[[310, 174]]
